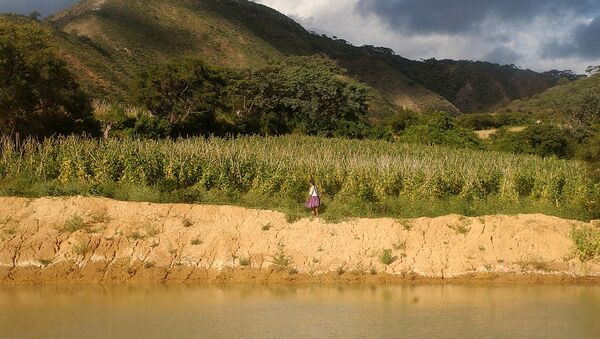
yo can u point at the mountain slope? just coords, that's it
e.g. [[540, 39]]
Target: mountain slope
[[98, 69], [240, 33], [556, 101]]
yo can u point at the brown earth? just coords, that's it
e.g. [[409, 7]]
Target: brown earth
[[95, 240]]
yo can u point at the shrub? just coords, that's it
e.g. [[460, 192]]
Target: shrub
[[81, 249], [281, 260], [439, 129], [386, 257], [587, 242], [73, 224], [244, 261]]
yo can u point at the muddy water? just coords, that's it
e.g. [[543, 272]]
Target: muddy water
[[415, 311]]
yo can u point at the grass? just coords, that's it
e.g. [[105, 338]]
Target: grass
[[400, 246], [74, 224], [152, 230], [587, 242], [244, 261], [45, 262], [266, 227], [460, 228], [407, 225], [100, 216], [81, 249], [535, 264], [196, 241], [187, 223], [386, 257], [281, 260], [136, 236], [356, 178]]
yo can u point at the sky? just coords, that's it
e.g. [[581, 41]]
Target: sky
[[535, 34]]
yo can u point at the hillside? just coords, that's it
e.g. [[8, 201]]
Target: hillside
[[556, 101], [239, 33], [98, 69]]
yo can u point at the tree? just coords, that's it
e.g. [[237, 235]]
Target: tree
[[592, 69], [186, 93], [38, 94], [310, 95], [35, 15], [585, 115]]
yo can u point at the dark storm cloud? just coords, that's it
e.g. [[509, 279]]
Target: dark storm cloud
[[27, 6], [584, 43], [502, 55], [461, 16]]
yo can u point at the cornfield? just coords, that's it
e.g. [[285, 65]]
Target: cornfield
[[369, 171]]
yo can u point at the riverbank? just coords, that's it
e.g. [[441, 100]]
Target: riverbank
[[96, 240]]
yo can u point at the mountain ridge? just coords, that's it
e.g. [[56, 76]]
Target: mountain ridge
[[128, 35]]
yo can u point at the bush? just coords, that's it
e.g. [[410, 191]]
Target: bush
[[483, 121], [543, 140], [587, 242], [439, 129], [386, 257]]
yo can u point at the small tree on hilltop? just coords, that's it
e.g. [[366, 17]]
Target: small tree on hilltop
[[591, 70], [35, 15]]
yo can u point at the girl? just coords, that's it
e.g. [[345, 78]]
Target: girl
[[313, 202]]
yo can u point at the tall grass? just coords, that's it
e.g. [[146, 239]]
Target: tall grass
[[354, 177]]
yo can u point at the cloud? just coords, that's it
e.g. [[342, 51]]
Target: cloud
[[500, 31], [502, 55], [537, 34], [463, 16], [45, 7], [583, 42]]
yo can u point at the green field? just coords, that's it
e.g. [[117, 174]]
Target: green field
[[356, 178]]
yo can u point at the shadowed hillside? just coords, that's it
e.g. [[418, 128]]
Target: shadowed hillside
[[106, 42], [556, 101]]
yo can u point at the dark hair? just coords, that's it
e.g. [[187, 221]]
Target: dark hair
[[311, 180]]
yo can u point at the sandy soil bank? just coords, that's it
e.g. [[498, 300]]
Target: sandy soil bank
[[94, 240]]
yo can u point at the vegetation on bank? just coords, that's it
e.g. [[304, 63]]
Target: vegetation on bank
[[402, 174], [356, 178], [587, 242]]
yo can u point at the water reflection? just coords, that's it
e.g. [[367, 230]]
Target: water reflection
[[416, 311]]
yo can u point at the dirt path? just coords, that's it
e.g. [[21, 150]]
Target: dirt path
[[94, 240]]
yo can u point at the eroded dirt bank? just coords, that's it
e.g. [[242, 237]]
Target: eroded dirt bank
[[94, 240]]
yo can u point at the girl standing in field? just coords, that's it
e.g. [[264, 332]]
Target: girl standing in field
[[313, 202]]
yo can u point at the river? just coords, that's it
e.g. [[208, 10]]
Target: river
[[257, 311]]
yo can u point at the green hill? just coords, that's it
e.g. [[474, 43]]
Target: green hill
[[107, 41], [557, 101]]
